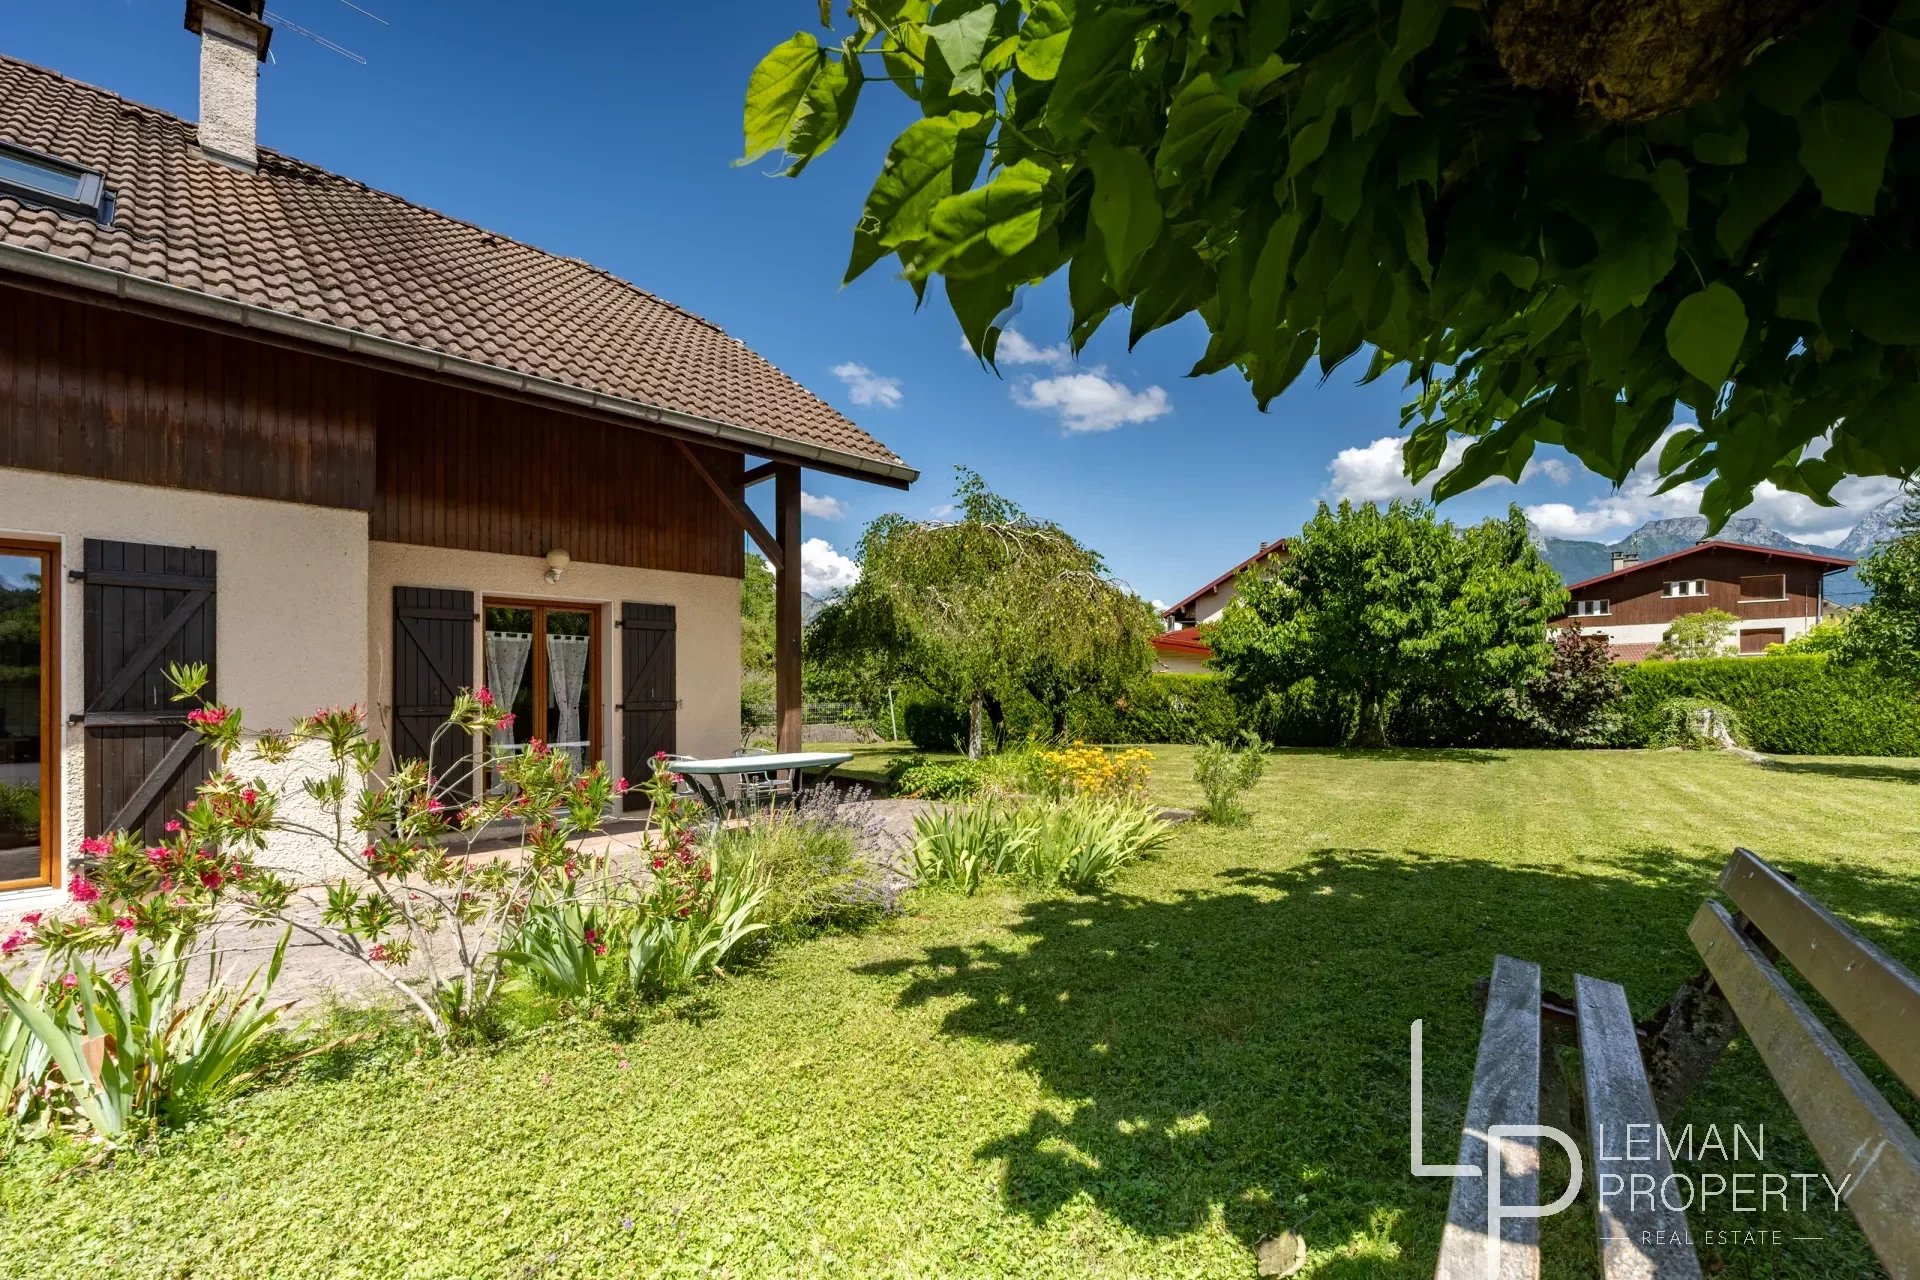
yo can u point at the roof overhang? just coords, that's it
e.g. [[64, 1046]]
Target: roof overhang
[[190, 306]]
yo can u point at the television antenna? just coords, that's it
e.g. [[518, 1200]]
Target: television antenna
[[282, 22]]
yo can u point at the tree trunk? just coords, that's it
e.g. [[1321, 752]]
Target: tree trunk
[[976, 715], [1372, 729]]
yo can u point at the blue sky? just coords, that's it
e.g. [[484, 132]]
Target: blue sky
[[607, 131]]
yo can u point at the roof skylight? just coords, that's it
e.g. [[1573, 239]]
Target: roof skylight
[[51, 183]]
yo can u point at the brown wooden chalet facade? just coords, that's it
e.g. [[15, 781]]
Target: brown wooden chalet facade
[[1775, 594], [348, 450]]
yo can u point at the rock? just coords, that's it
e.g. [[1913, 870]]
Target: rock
[[1280, 1255]]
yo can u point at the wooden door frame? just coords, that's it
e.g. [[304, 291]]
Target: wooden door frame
[[51, 748], [595, 638]]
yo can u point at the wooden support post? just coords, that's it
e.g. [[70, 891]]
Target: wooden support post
[[786, 608]]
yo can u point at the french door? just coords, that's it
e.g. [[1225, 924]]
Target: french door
[[542, 662], [29, 743]]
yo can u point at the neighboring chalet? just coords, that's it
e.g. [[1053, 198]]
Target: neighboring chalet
[[1776, 595], [345, 449], [1180, 648]]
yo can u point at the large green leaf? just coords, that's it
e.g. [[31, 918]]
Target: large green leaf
[[1094, 66], [970, 232], [1890, 74], [824, 111], [1202, 125], [1043, 38], [918, 174], [777, 93], [1126, 208], [962, 43], [1705, 333], [1844, 146]]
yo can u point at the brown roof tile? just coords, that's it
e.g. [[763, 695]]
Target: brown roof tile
[[300, 240]]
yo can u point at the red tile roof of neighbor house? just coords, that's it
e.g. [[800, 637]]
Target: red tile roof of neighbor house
[[298, 241], [1832, 562], [1271, 549], [1185, 641], [1631, 652]]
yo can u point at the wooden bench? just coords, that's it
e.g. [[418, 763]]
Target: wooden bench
[[1625, 1067]]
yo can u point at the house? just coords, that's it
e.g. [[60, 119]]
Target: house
[[1180, 648], [1776, 594], [345, 449]]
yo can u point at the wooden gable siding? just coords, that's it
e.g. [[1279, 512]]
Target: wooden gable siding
[[111, 395], [1636, 597], [475, 472], [117, 395]]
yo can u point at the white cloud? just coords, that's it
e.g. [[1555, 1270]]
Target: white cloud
[[824, 569], [1374, 472], [942, 511], [1552, 468], [1159, 606], [1636, 502], [864, 386], [1091, 401], [1015, 347], [821, 507]]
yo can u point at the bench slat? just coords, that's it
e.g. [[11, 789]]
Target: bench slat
[[1856, 1133], [1876, 994], [1640, 1238], [1506, 1090]]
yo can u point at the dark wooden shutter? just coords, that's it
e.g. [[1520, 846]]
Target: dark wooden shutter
[[144, 607], [649, 705], [433, 639]]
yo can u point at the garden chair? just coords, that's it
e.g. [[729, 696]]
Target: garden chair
[[756, 788]]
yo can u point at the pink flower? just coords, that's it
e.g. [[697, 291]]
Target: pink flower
[[71, 981], [621, 786], [208, 717], [157, 856], [379, 953], [250, 796], [125, 924], [433, 804], [31, 919], [506, 721], [660, 755], [13, 942], [119, 977], [83, 890], [94, 846], [483, 696], [173, 824], [212, 878]]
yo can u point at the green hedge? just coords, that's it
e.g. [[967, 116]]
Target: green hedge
[[1789, 704], [1165, 707]]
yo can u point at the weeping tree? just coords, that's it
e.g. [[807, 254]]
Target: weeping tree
[[1560, 221], [983, 608]]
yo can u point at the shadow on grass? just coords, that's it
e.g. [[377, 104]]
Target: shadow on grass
[[1862, 770], [1244, 1050]]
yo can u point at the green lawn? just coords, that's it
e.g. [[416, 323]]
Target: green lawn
[[1143, 1083]]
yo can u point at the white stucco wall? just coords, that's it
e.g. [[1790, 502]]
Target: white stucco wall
[[291, 603], [1654, 632], [706, 620], [1179, 663]]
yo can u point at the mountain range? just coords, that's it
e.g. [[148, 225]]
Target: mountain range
[[1577, 560]]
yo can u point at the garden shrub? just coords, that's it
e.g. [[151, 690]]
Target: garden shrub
[[932, 725], [1789, 704], [823, 861], [1080, 842], [1695, 724], [20, 809], [1080, 770], [935, 779], [1223, 774], [1165, 707]]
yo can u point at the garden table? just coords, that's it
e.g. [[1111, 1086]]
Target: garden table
[[708, 777]]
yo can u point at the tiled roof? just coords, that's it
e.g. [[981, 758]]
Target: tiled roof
[[1809, 557], [1185, 640], [1630, 652], [307, 243], [1275, 548]]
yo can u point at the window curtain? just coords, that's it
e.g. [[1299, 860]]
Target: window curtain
[[506, 667], [566, 672]]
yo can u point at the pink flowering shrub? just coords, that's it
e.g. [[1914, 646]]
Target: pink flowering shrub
[[414, 898]]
